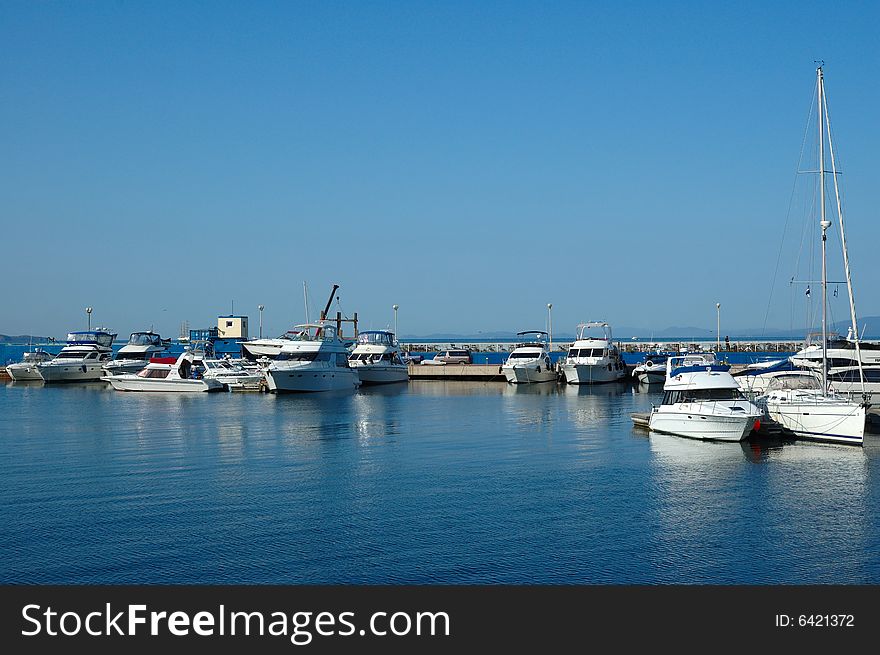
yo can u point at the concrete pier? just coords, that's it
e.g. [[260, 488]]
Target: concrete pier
[[479, 372]]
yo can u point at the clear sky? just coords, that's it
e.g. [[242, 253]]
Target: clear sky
[[470, 161]]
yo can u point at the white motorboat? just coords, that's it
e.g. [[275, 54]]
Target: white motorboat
[[169, 374], [652, 370], [805, 407], [316, 360], [135, 354], [81, 359], [701, 400], [530, 360], [377, 358], [593, 359], [839, 352], [26, 369], [232, 374]]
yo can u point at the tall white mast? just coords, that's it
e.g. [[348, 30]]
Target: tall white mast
[[306, 300], [849, 288], [824, 224]]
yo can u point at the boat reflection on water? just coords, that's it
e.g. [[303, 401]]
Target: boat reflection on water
[[456, 388]]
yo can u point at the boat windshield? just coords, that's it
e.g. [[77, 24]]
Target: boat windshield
[[594, 330], [533, 355], [696, 395], [794, 381], [100, 338], [315, 333], [376, 338], [144, 339]]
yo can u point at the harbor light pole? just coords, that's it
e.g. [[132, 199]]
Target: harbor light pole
[[89, 313], [395, 308], [550, 324], [718, 336], [261, 307]]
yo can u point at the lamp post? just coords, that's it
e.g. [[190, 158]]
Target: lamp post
[[395, 308], [550, 323], [89, 313], [718, 337], [261, 307]]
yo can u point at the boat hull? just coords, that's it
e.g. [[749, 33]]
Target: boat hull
[[706, 427], [73, 372], [137, 383], [529, 373], [592, 373], [651, 377], [23, 372], [813, 422], [370, 374], [303, 380]]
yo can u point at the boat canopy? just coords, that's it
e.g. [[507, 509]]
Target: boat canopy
[[315, 332], [794, 380], [144, 339], [376, 338], [99, 337]]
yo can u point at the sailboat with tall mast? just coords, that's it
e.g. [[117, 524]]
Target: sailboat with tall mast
[[805, 409]]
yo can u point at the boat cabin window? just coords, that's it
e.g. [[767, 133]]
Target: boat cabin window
[[376, 338], [341, 360], [525, 355], [852, 375], [144, 339], [696, 395], [157, 373]]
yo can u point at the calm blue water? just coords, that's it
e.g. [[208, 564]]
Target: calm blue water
[[429, 482]]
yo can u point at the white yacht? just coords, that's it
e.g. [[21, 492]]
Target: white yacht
[[377, 358], [797, 402], [652, 370], [26, 369], [701, 400], [805, 407], [316, 360], [81, 359], [232, 374], [839, 352], [135, 355], [593, 359], [530, 360], [181, 374]]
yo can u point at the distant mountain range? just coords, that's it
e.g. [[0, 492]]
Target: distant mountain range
[[869, 327], [24, 338]]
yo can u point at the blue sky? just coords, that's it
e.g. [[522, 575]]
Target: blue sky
[[471, 162]]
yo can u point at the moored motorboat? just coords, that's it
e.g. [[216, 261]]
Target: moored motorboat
[[232, 374], [135, 354], [701, 400], [377, 358], [652, 370], [168, 374], [81, 359], [530, 360], [26, 370], [593, 359], [316, 360]]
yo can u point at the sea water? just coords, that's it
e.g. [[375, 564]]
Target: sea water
[[426, 482]]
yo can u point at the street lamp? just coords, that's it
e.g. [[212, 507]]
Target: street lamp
[[89, 312], [550, 323], [395, 308], [261, 307], [718, 337]]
